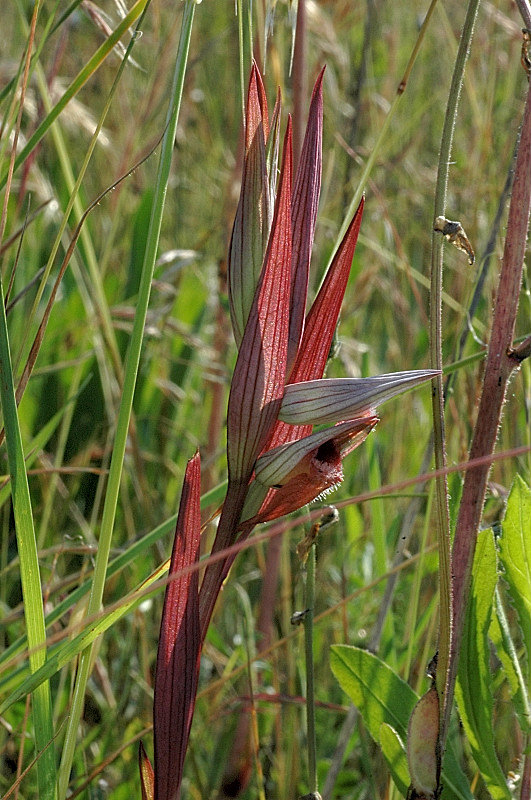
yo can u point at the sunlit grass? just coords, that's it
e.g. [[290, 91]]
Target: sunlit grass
[[188, 354]]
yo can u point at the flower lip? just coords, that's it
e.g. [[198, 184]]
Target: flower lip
[[292, 475], [278, 465]]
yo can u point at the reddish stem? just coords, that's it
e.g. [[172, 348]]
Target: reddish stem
[[500, 363]]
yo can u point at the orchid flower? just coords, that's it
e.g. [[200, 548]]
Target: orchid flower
[[276, 462]]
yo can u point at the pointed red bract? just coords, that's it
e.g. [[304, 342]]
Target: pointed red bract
[[253, 215], [304, 204], [256, 112], [179, 644], [147, 776], [320, 326], [260, 371], [322, 318]]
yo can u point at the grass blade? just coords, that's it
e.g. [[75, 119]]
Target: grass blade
[[130, 377]]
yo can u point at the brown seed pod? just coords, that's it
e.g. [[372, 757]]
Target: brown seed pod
[[423, 747]]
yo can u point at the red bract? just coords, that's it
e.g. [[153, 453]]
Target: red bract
[[147, 776], [304, 202], [260, 372], [179, 644], [275, 463], [253, 216]]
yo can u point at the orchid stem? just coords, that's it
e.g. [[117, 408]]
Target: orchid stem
[[443, 521], [308, 648]]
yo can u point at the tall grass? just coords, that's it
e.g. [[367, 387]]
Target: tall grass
[[80, 446]]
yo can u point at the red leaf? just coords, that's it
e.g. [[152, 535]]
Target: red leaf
[[260, 371], [320, 326], [253, 215], [304, 203], [179, 644], [323, 316]]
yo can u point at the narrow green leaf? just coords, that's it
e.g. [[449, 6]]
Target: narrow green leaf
[[29, 566], [500, 636], [9, 677], [473, 689], [382, 697], [83, 76], [41, 439], [395, 755], [129, 385], [515, 555]]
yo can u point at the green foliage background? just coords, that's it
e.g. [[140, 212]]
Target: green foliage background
[[188, 355]]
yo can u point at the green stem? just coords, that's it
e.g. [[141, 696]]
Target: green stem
[[308, 650], [130, 377], [441, 499]]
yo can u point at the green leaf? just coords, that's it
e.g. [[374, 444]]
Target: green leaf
[[383, 698], [473, 689], [395, 755], [379, 694], [500, 636], [515, 555]]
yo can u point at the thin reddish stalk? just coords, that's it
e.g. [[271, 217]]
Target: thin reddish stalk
[[500, 364]]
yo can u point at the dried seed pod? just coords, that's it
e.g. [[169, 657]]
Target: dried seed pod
[[423, 748], [455, 234]]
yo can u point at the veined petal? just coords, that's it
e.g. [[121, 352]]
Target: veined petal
[[277, 466], [260, 372], [301, 471], [328, 400], [179, 648]]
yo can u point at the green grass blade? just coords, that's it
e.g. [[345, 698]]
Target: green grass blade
[[130, 377], [29, 566], [83, 76], [41, 439], [65, 653]]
